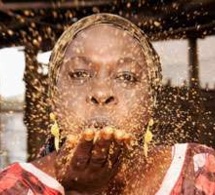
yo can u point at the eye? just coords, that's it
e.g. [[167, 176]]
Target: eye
[[127, 77], [79, 75]]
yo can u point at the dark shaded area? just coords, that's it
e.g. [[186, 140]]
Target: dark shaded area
[[186, 116]]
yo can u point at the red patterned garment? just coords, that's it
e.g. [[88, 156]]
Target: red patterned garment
[[191, 172], [26, 179]]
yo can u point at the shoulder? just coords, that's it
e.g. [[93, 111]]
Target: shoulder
[[194, 150], [197, 154], [10, 177], [13, 169], [25, 177], [191, 170], [198, 162]]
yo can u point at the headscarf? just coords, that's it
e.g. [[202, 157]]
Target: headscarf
[[152, 59]]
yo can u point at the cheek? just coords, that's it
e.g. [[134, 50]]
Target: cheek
[[70, 112], [135, 98], [69, 95], [134, 109], [70, 106], [72, 102]]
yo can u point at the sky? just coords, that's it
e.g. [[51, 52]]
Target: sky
[[173, 54]]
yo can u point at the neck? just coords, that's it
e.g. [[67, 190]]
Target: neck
[[129, 173], [141, 175]]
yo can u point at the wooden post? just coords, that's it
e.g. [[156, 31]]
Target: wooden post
[[195, 99], [193, 63]]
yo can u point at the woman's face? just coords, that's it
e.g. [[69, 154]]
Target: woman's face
[[103, 81]]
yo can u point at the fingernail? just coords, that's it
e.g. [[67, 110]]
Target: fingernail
[[89, 134], [118, 135], [107, 133]]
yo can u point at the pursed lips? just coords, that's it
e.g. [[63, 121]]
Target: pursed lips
[[99, 122]]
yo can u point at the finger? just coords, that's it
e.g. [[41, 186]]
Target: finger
[[66, 151], [89, 134], [107, 133], [82, 152], [64, 156], [101, 148], [119, 148], [119, 135], [114, 154]]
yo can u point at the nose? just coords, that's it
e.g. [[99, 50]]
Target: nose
[[102, 94], [102, 101]]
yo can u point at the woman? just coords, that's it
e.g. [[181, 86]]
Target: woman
[[104, 81]]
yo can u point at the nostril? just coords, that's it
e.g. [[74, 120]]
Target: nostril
[[109, 100], [101, 101], [94, 100]]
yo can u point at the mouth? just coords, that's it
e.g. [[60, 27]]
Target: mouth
[[98, 122]]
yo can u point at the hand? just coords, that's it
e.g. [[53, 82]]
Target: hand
[[88, 166]]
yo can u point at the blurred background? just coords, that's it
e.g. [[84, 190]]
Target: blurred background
[[182, 32]]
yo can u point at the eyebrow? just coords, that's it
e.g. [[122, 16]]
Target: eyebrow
[[83, 58], [125, 59], [130, 60]]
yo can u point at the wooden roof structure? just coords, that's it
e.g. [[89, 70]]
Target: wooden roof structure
[[40, 23], [36, 25]]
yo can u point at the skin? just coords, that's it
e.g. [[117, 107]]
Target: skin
[[103, 91], [103, 82]]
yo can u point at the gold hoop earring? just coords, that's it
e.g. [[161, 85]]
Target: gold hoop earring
[[55, 131], [148, 137]]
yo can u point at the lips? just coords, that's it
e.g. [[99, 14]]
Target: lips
[[98, 122]]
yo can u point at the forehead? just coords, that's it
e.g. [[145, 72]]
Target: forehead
[[104, 40]]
